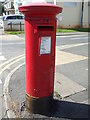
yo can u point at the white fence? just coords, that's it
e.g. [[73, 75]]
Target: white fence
[[13, 25]]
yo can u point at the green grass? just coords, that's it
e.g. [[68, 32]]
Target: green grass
[[68, 30], [14, 32], [57, 95], [64, 30], [82, 29]]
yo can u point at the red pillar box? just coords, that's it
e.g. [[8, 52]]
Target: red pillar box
[[40, 40]]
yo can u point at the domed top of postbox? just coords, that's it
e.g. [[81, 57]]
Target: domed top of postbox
[[40, 8]]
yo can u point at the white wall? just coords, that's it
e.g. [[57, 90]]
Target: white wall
[[89, 16], [85, 15], [31, 1], [70, 15]]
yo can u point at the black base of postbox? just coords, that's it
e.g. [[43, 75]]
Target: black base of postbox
[[39, 105]]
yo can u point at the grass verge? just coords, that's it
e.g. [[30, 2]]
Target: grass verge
[[64, 30], [57, 95], [68, 30], [14, 32]]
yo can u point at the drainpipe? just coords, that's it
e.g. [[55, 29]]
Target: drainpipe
[[54, 2], [81, 23]]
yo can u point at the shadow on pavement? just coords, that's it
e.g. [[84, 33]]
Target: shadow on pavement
[[70, 110]]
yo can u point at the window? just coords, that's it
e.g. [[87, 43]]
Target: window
[[51, 2], [70, 4], [14, 17], [19, 4], [20, 17], [10, 17]]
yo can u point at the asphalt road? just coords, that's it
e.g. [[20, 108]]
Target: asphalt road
[[12, 50], [76, 70]]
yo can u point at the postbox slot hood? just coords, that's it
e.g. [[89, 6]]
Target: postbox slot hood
[[45, 28], [40, 8]]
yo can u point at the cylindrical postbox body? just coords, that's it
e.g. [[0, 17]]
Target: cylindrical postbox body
[[40, 40]]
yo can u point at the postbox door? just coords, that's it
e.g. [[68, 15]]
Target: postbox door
[[45, 61]]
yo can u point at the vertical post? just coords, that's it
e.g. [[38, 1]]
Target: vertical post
[[81, 24], [55, 2], [11, 26], [20, 26]]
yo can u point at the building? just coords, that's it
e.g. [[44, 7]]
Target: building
[[17, 3], [11, 6], [74, 14], [1, 7], [86, 16]]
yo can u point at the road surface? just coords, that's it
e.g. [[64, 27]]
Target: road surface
[[71, 65]]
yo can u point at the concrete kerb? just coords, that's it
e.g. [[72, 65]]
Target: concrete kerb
[[59, 34], [22, 36], [10, 113], [72, 33]]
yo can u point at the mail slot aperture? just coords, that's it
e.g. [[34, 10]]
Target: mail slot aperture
[[46, 28]]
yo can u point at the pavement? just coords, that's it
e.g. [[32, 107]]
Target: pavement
[[71, 55], [71, 33], [67, 109], [61, 34]]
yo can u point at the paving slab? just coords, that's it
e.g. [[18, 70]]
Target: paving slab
[[64, 57], [76, 71], [10, 37], [66, 87], [78, 50], [61, 108], [71, 33], [81, 97], [86, 102]]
